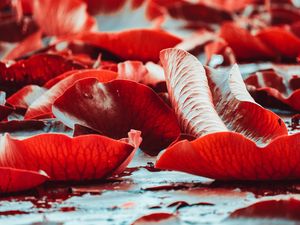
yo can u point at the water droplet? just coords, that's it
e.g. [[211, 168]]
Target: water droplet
[[87, 95]]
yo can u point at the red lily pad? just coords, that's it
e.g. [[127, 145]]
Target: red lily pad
[[63, 158], [14, 180], [115, 107], [219, 103], [38, 69], [41, 107], [135, 44]]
